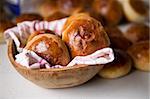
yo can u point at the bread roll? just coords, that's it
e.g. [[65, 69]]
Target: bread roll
[[113, 31], [97, 16], [135, 10], [140, 53], [111, 10], [84, 35], [47, 8], [56, 16], [121, 66], [87, 4], [120, 42], [137, 32], [28, 17], [39, 32], [54, 77], [51, 48], [70, 7]]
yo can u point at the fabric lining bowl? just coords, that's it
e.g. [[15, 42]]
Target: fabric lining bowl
[[56, 77]]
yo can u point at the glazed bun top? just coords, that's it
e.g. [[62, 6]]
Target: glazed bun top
[[140, 53], [84, 35], [56, 16], [140, 50], [137, 32], [51, 48], [47, 7], [113, 31], [120, 42], [117, 39], [38, 33], [111, 10], [139, 6], [121, 59], [70, 6], [28, 17]]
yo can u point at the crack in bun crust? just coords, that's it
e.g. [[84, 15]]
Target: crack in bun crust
[[56, 52], [84, 35]]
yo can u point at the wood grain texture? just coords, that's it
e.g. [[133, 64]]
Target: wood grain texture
[[54, 78]]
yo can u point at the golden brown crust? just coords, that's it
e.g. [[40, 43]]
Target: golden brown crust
[[121, 66], [84, 35], [71, 18], [137, 32], [120, 42], [55, 51], [70, 7], [87, 4], [140, 53], [38, 33], [113, 31], [56, 16], [139, 6], [28, 17], [54, 78], [47, 8], [111, 10], [97, 16]]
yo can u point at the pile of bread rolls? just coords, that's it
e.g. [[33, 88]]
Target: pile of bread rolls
[[81, 35], [131, 47], [112, 12]]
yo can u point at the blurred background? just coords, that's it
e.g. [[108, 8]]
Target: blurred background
[[100, 9], [111, 13]]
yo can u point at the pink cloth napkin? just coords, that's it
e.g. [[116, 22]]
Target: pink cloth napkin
[[31, 60]]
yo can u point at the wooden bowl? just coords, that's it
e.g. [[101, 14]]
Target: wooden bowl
[[54, 78]]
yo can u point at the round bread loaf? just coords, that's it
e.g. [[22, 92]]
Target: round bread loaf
[[140, 53], [121, 66], [137, 32], [111, 10], [51, 48], [84, 35], [28, 17]]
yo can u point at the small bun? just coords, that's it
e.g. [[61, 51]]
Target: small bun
[[28, 17], [51, 48], [117, 39], [140, 53], [84, 35], [137, 32], [39, 32], [120, 43], [4, 24], [113, 31], [135, 10], [121, 66], [70, 7], [56, 16], [47, 8], [111, 10], [97, 16]]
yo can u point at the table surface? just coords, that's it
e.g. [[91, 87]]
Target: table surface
[[136, 85], [14, 86]]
